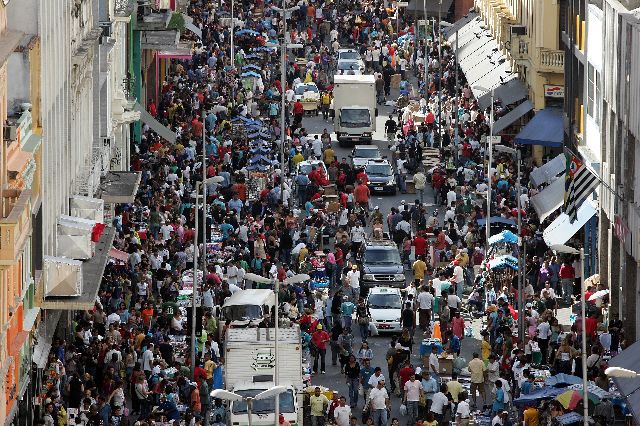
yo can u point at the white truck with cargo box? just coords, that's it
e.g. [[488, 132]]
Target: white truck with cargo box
[[249, 369], [354, 108]]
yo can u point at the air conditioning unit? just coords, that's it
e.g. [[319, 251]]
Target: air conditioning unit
[[10, 132], [518, 30], [87, 208]]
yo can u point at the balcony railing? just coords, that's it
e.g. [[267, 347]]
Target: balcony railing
[[551, 60], [15, 224]]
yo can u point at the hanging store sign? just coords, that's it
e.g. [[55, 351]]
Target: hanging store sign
[[553, 91]]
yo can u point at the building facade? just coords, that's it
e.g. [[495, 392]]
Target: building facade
[[603, 126]]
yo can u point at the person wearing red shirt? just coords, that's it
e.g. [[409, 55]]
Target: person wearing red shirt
[[319, 340], [591, 325], [298, 112], [420, 245], [567, 277], [362, 177], [429, 118], [151, 107], [361, 195], [197, 127], [405, 373]]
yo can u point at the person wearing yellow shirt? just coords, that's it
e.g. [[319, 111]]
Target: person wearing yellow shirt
[[463, 257], [486, 347], [304, 252], [477, 369], [209, 365], [454, 387], [419, 268], [531, 416], [297, 158], [329, 156]]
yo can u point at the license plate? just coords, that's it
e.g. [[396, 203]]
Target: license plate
[[378, 188], [383, 326]]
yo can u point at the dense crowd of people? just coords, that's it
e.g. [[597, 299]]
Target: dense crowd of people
[[127, 359]]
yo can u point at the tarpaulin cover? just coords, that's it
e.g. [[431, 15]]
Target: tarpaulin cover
[[549, 199], [561, 229], [504, 237], [502, 262], [548, 171]]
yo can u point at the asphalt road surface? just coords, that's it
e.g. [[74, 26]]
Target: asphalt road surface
[[333, 379]]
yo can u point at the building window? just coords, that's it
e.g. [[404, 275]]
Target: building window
[[594, 94]]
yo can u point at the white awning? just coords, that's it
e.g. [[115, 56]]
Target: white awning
[[62, 276], [87, 208], [44, 337], [561, 229], [509, 118], [74, 237], [549, 199], [548, 171]]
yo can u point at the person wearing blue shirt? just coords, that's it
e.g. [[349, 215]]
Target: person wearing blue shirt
[[226, 228], [429, 387], [236, 204], [498, 400], [169, 408], [346, 310], [366, 371], [528, 386]]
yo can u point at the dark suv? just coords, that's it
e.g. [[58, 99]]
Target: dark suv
[[380, 265]]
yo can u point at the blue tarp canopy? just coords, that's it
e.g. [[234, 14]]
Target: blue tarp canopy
[[506, 261], [251, 66], [533, 398], [562, 379], [250, 74], [504, 237], [247, 32], [546, 128], [497, 219]]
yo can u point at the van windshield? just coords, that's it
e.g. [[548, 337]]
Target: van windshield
[[263, 406], [242, 312], [355, 117]]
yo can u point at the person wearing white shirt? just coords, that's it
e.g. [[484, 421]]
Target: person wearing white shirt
[[232, 274], [438, 403], [376, 378], [451, 197], [353, 277], [378, 403], [434, 363], [463, 411], [147, 358], [412, 393], [342, 413], [425, 307], [113, 319]]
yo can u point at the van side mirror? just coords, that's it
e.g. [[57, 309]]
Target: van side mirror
[[376, 112]]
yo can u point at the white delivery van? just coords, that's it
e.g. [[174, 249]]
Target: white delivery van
[[354, 108], [247, 308], [250, 369]]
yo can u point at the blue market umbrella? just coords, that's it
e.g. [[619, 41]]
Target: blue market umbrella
[[250, 74], [502, 262], [250, 67], [533, 398], [562, 380], [247, 32]]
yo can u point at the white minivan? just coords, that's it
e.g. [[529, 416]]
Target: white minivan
[[385, 307]]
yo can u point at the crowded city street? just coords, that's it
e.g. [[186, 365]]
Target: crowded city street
[[338, 219]]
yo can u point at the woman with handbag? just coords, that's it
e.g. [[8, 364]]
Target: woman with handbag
[[363, 317]]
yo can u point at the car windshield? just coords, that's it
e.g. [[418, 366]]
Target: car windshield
[[355, 117], [366, 153], [378, 170], [352, 54], [384, 301], [306, 168], [242, 312], [264, 406], [382, 257], [306, 88], [348, 65]]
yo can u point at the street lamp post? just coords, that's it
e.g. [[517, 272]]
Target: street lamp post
[[440, 72], [490, 147], [274, 391], [276, 286], [233, 30], [583, 312], [195, 285]]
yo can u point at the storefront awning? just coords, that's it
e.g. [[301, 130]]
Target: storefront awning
[[483, 63], [92, 271], [549, 199], [561, 229], [162, 130], [629, 387], [511, 117], [120, 187], [548, 171], [44, 336], [546, 128], [433, 8]]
